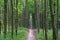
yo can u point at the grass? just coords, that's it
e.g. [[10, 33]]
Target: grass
[[41, 35], [22, 33]]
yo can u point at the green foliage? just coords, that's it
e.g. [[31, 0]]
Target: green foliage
[[31, 6], [41, 35], [1, 3], [22, 32]]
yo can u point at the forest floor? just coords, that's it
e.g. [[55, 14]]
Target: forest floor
[[23, 34]]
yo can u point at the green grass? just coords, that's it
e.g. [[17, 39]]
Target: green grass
[[41, 36], [22, 33]]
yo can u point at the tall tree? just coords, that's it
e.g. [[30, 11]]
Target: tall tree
[[8, 16], [0, 27], [26, 13], [36, 4], [5, 17], [16, 20], [45, 19], [0, 19], [52, 12], [43, 15], [12, 18], [57, 14]]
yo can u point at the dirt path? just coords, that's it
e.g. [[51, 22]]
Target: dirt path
[[31, 34]]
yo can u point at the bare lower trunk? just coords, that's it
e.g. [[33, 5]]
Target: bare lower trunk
[[0, 19], [36, 4], [12, 18], [0, 27], [52, 12], [16, 20], [5, 18], [45, 20]]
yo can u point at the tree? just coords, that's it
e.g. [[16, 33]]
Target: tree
[[0, 19], [16, 19], [53, 21], [0, 27], [26, 13], [36, 13], [57, 14], [12, 18], [5, 18], [45, 19]]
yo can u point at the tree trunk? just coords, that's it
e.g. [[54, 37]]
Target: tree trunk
[[45, 20], [5, 18], [12, 18], [36, 4], [0, 19], [53, 21], [26, 13], [16, 19], [0, 27], [57, 14], [43, 15]]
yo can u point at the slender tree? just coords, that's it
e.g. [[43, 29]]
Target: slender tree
[[43, 15], [26, 13], [16, 20], [0, 19], [53, 21], [12, 18], [0, 27], [8, 16], [36, 4], [57, 14], [45, 20], [5, 18], [57, 17]]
